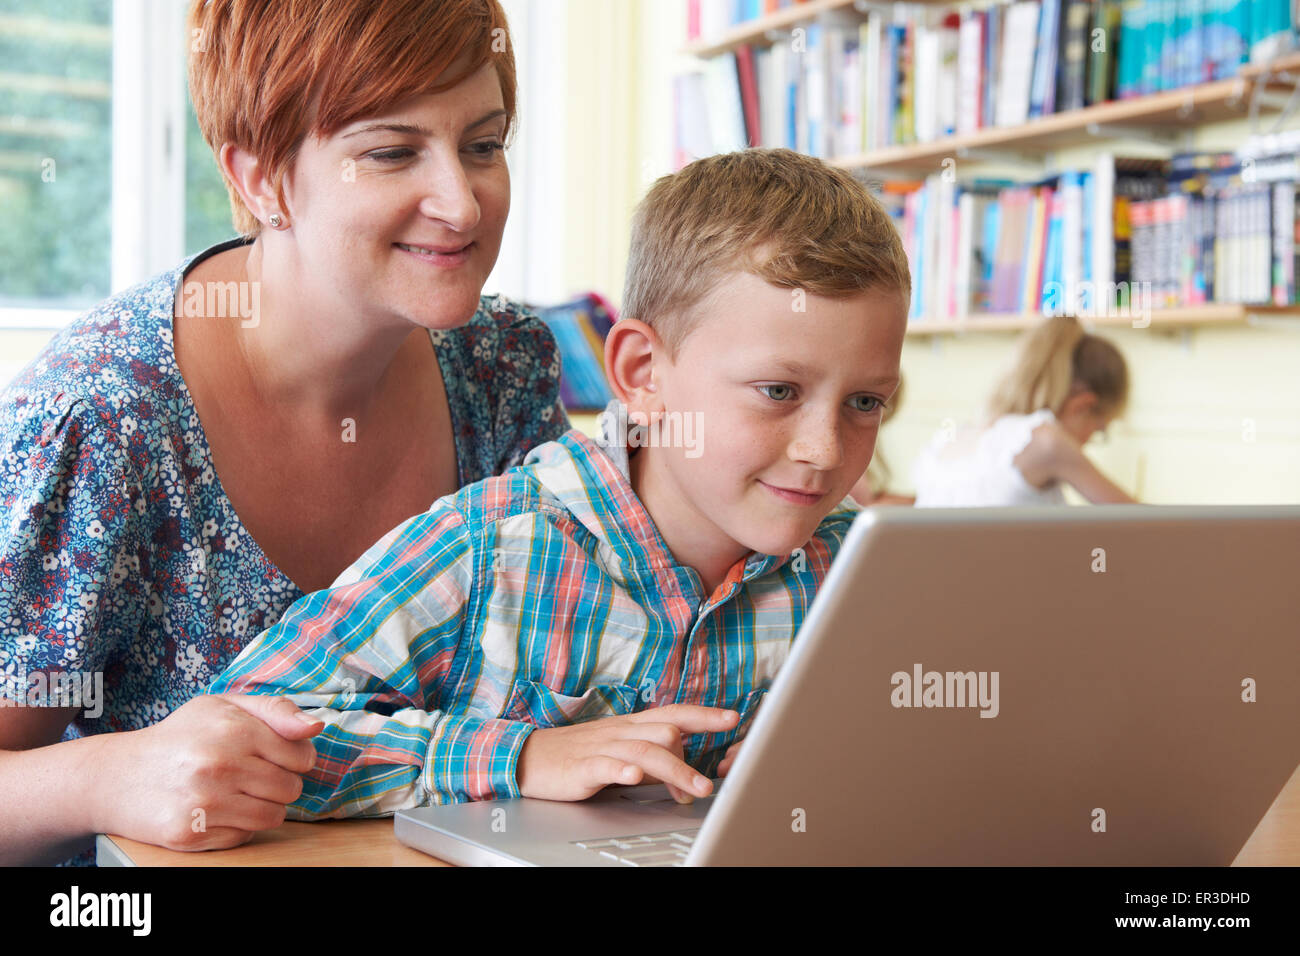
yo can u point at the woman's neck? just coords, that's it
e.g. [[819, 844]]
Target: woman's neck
[[307, 353]]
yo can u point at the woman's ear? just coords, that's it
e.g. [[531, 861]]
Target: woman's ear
[[631, 348], [250, 180]]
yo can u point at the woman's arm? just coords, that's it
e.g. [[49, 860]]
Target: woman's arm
[[72, 547], [44, 815], [207, 777]]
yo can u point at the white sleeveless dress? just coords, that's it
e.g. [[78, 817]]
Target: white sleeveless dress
[[986, 476]]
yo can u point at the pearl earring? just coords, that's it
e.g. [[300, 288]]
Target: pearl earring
[[275, 220]]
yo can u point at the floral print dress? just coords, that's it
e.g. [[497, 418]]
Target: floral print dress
[[120, 554]]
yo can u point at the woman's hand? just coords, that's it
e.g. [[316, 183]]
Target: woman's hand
[[208, 776]]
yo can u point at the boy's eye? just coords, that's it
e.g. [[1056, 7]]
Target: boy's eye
[[782, 392], [875, 403]]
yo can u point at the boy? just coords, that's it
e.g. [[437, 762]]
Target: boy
[[612, 613]]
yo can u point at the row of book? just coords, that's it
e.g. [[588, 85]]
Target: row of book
[[1200, 228], [842, 84], [706, 19], [580, 327]]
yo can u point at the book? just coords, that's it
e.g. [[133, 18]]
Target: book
[[1017, 62], [992, 62], [1104, 37], [747, 80], [1073, 56], [1042, 95], [970, 71]]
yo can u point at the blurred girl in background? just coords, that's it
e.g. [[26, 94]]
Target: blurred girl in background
[[1065, 386]]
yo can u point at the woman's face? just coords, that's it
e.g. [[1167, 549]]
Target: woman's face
[[400, 216]]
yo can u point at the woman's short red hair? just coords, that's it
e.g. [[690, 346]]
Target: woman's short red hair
[[266, 73]]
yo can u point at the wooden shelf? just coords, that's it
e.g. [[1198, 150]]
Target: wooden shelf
[[1190, 316], [1169, 111], [755, 31]]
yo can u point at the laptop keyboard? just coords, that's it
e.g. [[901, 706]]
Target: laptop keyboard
[[653, 849]]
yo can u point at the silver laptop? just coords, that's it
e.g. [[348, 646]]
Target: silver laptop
[[1102, 685]]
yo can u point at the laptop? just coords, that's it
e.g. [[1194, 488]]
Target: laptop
[[1110, 685]]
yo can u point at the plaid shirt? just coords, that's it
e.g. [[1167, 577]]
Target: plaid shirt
[[542, 597]]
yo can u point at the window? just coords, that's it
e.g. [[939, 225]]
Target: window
[[105, 179], [55, 153]]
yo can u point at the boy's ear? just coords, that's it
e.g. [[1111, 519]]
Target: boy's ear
[[630, 350]]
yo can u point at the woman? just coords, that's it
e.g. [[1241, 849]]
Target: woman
[[181, 464], [1064, 387]]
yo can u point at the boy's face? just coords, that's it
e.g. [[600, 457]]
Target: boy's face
[[787, 404]]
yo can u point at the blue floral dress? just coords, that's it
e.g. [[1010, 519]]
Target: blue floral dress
[[119, 550]]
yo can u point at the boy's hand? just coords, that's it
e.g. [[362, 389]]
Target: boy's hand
[[575, 762], [729, 758]]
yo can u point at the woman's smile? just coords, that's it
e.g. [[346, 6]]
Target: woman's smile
[[446, 256]]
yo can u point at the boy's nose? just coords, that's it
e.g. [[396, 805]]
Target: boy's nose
[[817, 442]]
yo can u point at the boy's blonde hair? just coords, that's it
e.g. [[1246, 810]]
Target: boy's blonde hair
[[1052, 358], [786, 218]]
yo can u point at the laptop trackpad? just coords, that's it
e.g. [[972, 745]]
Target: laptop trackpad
[[656, 795]]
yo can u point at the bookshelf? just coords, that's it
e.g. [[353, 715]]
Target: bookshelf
[[1157, 117], [1171, 110], [755, 31], [1180, 318]]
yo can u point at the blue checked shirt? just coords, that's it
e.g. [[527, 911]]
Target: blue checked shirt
[[539, 598]]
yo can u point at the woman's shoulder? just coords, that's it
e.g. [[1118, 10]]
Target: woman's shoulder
[[107, 382], [501, 331], [116, 353]]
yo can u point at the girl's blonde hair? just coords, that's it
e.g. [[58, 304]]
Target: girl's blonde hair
[[1054, 358]]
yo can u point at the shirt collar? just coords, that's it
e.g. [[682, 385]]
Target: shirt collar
[[592, 479]]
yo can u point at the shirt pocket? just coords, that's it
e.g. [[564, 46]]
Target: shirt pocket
[[749, 710], [534, 702]]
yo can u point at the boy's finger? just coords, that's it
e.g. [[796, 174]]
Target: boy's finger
[[668, 736], [601, 770], [658, 762], [690, 718]]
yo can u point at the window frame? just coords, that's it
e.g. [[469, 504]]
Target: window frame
[[148, 150]]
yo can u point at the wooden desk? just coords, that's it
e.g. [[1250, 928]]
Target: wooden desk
[[1275, 842], [329, 843]]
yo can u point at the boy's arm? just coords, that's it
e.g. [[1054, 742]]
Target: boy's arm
[[368, 657]]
